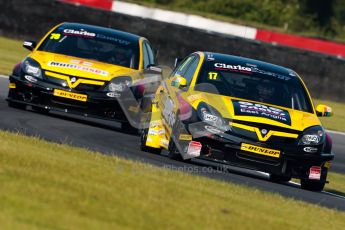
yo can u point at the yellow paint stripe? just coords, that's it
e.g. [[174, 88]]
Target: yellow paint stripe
[[245, 127], [259, 135], [91, 82], [281, 134], [75, 84]]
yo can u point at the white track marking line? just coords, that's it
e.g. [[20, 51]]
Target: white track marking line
[[333, 194], [336, 132], [325, 192], [3, 76]]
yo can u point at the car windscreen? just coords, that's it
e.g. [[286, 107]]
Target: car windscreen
[[105, 47], [252, 83]]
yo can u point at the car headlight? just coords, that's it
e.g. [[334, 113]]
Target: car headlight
[[32, 68], [211, 116], [119, 84], [313, 136]]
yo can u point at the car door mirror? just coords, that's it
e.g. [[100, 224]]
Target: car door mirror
[[324, 111], [179, 81], [154, 68], [30, 45]]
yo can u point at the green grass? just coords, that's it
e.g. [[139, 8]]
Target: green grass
[[51, 186], [337, 183], [11, 52], [337, 122]]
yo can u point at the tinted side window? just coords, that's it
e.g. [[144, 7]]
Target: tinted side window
[[191, 70], [183, 67], [146, 56], [150, 54]]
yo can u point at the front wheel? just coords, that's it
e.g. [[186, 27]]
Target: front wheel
[[279, 178], [128, 128], [16, 105], [174, 153], [312, 185], [143, 147], [315, 185]]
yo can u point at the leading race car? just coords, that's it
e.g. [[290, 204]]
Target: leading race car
[[88, 70], [241, 112]]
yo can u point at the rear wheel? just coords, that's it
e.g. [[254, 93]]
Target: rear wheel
[[143, 147]]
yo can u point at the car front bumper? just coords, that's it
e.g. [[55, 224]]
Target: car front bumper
[[98, 104], [226, 148]]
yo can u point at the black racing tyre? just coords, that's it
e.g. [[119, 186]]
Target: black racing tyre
[[279, 178], [146, 104], [173, 152], [16, 105], [315, 185], [312, 185], [40, 109], [143, 147]]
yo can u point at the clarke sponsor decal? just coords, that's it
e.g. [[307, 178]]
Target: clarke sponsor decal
[[232, 67], [250, 69], [79, 33], [244, 108], [78, 67]]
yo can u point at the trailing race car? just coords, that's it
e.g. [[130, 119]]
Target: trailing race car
[[241, 112], [87, 70]]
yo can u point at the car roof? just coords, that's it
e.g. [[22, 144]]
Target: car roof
[[103, 30], [238, 60]]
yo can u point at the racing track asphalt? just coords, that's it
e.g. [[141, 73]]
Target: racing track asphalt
[[107, 138]]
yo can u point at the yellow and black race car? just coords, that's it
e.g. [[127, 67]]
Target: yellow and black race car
[[84, 69], [242, 112]]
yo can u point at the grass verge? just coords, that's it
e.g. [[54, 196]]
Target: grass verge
[[11, 52], [337, 122], [52, 186]]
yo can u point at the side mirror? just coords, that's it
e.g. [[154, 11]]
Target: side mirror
[[177, 61], [30, 45], [179, 81], [324, 111], [154, 68]]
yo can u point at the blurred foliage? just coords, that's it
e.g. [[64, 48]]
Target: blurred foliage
[[317, 18]]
